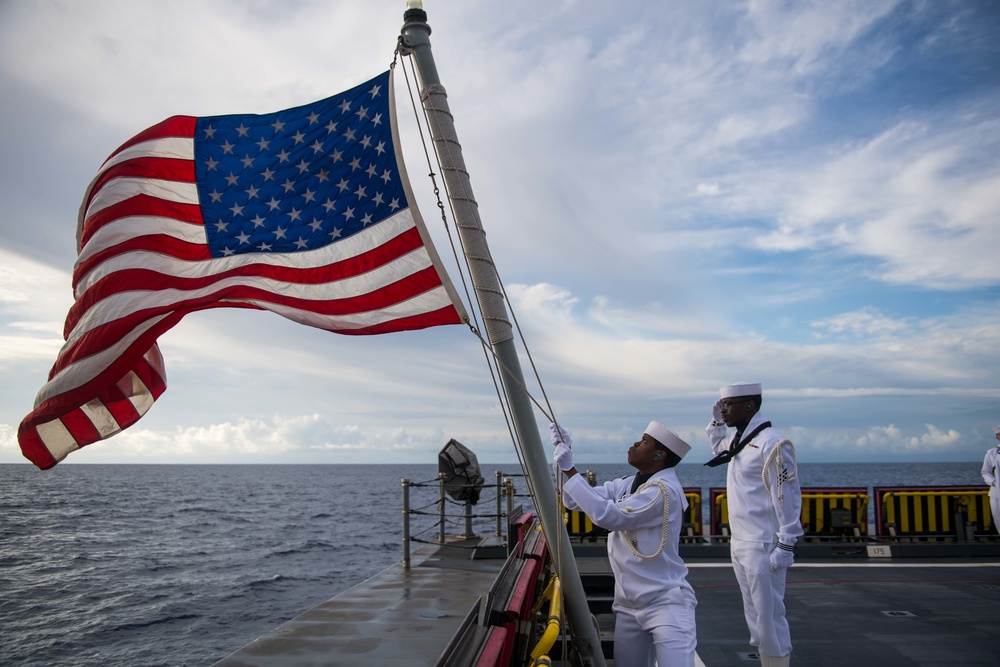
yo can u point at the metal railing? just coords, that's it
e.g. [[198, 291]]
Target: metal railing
[[503, 498]]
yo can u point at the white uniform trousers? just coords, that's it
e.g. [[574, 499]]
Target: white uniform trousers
[[995, 507], [662, 633], [763, 596]]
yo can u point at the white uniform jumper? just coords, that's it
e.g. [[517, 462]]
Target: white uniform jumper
[[765, 502], [654, 604], [992, 477]]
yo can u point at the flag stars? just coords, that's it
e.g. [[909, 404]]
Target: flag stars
[[295, 188]]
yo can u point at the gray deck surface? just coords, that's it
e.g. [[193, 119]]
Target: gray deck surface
[[893, 614], [897, 613], [398, 617]]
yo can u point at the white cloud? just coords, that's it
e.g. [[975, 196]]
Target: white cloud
[[891, 440]]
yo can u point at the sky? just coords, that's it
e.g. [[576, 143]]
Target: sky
[[678, 195]]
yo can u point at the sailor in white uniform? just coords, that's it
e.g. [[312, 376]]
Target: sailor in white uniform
[[765, 502], [991, 475], [654, 604]]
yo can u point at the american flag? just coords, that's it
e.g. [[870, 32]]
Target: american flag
[[305, 212]]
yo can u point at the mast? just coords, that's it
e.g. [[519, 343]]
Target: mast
[[415, 35]]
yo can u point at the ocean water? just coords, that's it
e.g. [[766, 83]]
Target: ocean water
[[106, 565]]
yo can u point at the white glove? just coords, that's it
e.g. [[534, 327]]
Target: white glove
[[560, 435], [717, 411], [563, 456], [782, 556]]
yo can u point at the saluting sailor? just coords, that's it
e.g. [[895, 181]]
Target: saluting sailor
[[654, 604], [992, 477], [765, 502]]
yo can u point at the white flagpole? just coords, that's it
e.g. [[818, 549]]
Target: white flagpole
[[415, 35]]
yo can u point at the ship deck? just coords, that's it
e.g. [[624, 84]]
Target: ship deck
[[843, 611]]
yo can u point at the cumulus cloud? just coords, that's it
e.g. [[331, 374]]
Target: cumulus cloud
[[891, 439]]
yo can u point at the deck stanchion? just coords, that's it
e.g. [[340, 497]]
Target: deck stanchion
[[406, 524], [441, 505], [508, 490], [499, 502], [468, 520]]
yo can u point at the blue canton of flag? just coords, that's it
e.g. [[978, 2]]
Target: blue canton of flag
[[301, 178]]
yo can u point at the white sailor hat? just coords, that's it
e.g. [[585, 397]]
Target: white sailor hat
[[668, 438], [740, 389], [996, 430]]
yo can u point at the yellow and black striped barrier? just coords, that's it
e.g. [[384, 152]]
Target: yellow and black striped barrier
[[579, 524], [962, 511], [826, 512]]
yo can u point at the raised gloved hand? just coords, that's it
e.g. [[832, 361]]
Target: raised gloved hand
[[563, 456], [717, 411], [560, 435], [782, 556]]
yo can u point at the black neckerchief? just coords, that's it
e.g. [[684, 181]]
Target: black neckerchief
[[736, 447], [639, 480]]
